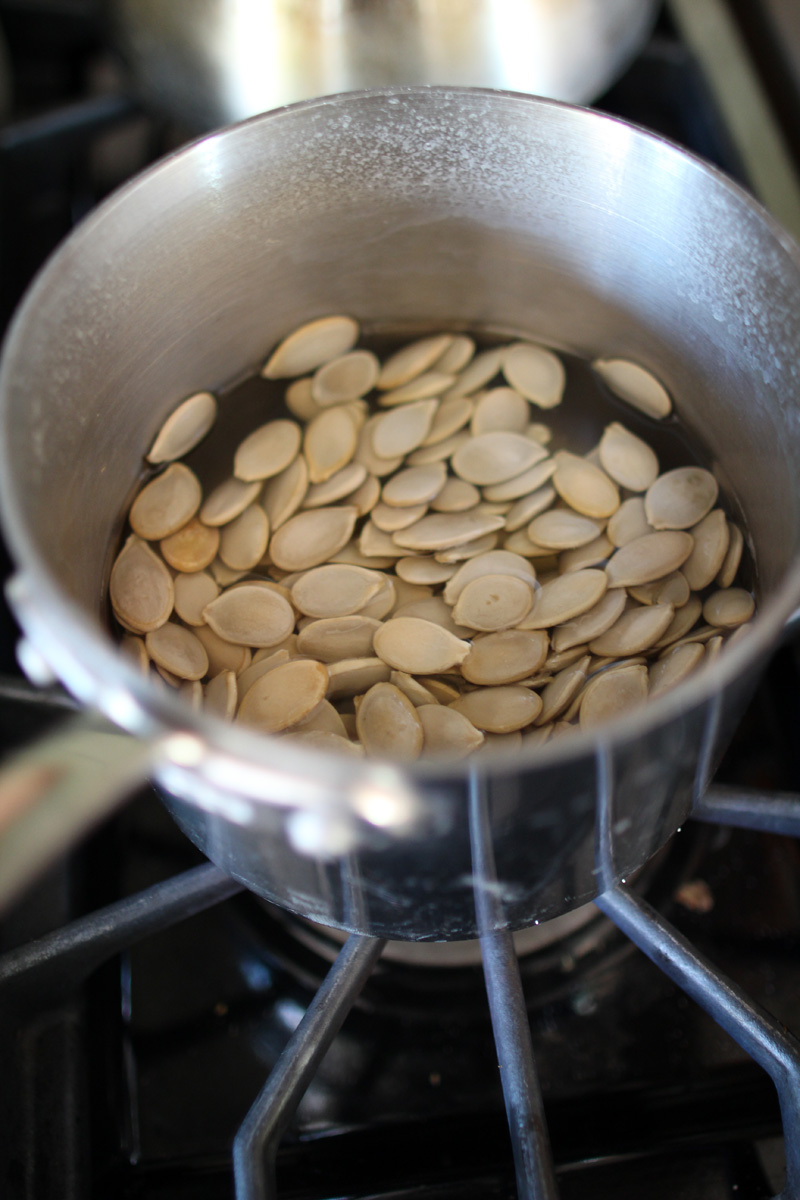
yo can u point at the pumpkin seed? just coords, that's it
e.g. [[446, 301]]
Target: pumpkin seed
[[447, 731], [191, 691], [388, 725], [650, 557], [389, 519], [222, 695], [457, 355], [493, 602], [527, 507], [418, 647], [417, 693], [590, 624], [192, 594], [499, 709], [177, 650], [560, 529], [285, 695], [411, 360], [438, 531], [324, 718], [608, 696], [382, 602], [583, 486], [628, 522], [432, 608], [249, 675], [668, 672], [672, 589], [320, 739], [244, 540], [438, 452], [406, 592], [680, 498], [329, 443], [345, 378], [222, 655], [557, 660], [267, 451], [310, 346], [450, 417], [499, 409], [713, 647], [421, 568], [250, 616], [140, 588], [495, 562], [636, 630], [337, 487], [184, 428], [591, 555], [456, 496], [365, 454], [311, 537], [134, 647], [558, 695], [332, 639], [536, 373], [300, 400], [365, 497], [353, 676], [635, 385], [402, 430], [733, 557], [223, 575], [683, 620], [376, 543], [466, 550], [166, 503], [415, 485], [493, 458], [505, 657], [335, 590], [728, 608], [565, 597], [480, 371], [351, 554], [627, 459], [711, 537], [432, 383], [228, 500], [523, 484]]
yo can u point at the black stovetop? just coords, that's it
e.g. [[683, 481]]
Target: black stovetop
[[133, 1085]]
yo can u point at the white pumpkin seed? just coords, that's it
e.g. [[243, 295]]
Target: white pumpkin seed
[[388, 725], [267, 451], [565, 597], [635, 385], [683, 620], [376, 543], [496, 457], [610, 695], [184, 428], [450, 417], [222, 655], [300, 400], [329, 443], [421, 568], [134, 647], [558, 695], [244, 540], [389, 519], [733, 557], [627, 459], [223, 575], [527, 507], [284, 696], [560, 529], [679, 499], [432, 608], [192, 548], [335, 590], [499, 409], [166, 503], [310, 346], [535, 372], [583, 486], [438, 531], [591, 555], [177, 650], [192, 594], [466, 550], [457, 355], [415, 485], [249, 675], [324, 719], [432, 383], [309, 538], [672, 589], [417, 693], [668, 672], [412, 360], [321, 739], [495, 562], [455, 496], [592, 623], [339, 486], [447, 731], [222, 695], [347, 377], [493, 602], [480, 371], [499, 709], [636, 630], [628, 522], [711, 537], [365, 498], [332, 639], [713, 648], [505, 657], [557, 660], [228, 500], [650, 557], [728, 608], [353, 676], [438, 452], [351, 554], [250, 616], [365, 454], [402, 430], [523, 484], [140, 588], [382, 602], [418, 647]]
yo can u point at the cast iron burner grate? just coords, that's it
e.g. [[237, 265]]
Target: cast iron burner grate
[[48, 968]]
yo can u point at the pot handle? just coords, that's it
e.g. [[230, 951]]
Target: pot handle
[[53, 791]]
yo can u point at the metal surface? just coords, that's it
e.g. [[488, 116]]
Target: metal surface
[[256, 1143], [523, 1099], [210, 62], [749, 808], [747, 1023], [412, 209]]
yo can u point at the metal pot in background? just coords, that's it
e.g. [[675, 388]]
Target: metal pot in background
[[211, 62], [411, 209]]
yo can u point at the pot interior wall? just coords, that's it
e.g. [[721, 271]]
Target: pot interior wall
[[410, 210]]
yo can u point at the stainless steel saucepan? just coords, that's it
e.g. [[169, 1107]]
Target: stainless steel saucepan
[[409, 209]]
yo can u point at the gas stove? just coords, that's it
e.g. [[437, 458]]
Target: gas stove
[[165, 1034]]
